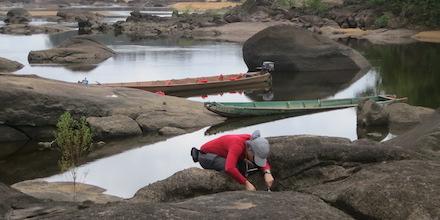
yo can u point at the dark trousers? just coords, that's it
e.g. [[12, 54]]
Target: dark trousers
[[214, 162]]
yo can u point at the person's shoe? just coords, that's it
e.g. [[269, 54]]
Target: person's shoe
[[195, 154]]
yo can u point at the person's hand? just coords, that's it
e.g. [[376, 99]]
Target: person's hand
[[268, 178], [249, 186]]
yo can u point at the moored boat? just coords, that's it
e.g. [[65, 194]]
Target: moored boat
[[199, 83], [248, 109]]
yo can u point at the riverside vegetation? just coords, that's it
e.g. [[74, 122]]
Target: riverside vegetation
[[74, 139]]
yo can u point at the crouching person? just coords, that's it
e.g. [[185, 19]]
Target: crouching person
[[236, 155]]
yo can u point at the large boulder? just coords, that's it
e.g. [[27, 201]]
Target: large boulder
[[423, 138], [9, 65], [113, 126], [293, 49], [403, 116], [17, 16], [394, 190], [32, 104], [302, 161], [78, 50]]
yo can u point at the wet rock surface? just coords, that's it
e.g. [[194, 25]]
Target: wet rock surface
[[34, 104], [294, 49], [78, 50], [7, 65]]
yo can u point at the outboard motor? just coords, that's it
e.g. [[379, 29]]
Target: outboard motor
[[268, 66]]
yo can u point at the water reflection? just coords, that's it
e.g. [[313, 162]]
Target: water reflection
[[307, 85], [410, 70], [125, 173], [142, 60]]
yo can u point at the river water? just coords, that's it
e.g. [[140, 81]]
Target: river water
[[406, 70]]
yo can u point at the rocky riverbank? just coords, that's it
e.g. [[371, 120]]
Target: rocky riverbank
[[322, 177], [340, 19], [334, 19], [32, 105]]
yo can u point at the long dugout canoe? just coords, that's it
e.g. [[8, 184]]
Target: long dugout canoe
[[249, 109], [199, 83]]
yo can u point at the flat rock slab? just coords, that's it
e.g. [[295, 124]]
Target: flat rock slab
[[228, 205], [64, 191], [32, 104], [78, 50]]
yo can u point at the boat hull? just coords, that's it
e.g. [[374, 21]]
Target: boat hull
[[252, 109], [203, 83]]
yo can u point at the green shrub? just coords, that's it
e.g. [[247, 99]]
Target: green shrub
[[74, 139], [315, 5], [423, 12], [376, 2], [382, 21], [287, 3]]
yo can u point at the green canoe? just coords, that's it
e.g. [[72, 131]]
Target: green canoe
[[248, 109]]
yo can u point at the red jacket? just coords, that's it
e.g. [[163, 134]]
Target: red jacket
[[233, 148]]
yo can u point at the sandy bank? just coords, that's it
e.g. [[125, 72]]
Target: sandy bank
[[428, 36]]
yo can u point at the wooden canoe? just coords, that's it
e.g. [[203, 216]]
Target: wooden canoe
[[249, 109], [199, 83], [246, 88]]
